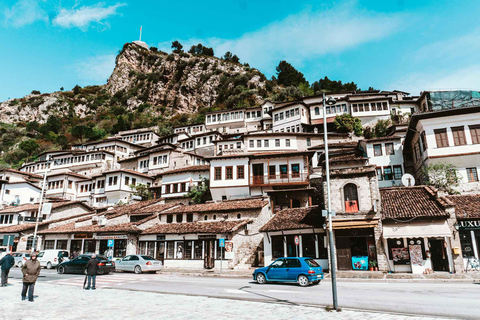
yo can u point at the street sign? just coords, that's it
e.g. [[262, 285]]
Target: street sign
[[46, 209], [110, 242], [8, 240], [221, 243], [325, 213], [297, 241]]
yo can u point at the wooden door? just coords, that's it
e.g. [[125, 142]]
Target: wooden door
[[344, 253], [209, 259], [257, 173]]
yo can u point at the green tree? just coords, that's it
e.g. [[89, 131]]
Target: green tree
[[80, 131], [231, 57], [442, 176], [29, 146], [61, 141], [327, 85], [347, 123], [287, 75], [61, 89], [305, 89], [177, 47], [200, 193], [142, 190], [199, 49], [77, 89], [381, 127]]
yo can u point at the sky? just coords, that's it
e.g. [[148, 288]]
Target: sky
[[406, 45]]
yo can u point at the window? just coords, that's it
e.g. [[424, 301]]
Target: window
[[276, 117], [134, 181], [189, 217], [252, 143], [287, 114], [475, 133], [379, 174], [271, 172], [179, 218], [295, 170], [266, 143], [175, 188], [387, 173], [259, 143], [228, 173], [281, 115], [110, 181], [277, 247], [287, 142], [283, 171], [183, 187], [293, 263], [389, 149], [240, 172], [377, 150], [218, 173], [309, 142], [277, 142], [127, 181], [350, 195], [472, 174], [441, 138], [459, 136], [115, 180], [239, 145], [317, 111], [424, 141], [170, 218], [397, 172]]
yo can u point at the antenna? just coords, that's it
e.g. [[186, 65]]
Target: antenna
[[140, 34]]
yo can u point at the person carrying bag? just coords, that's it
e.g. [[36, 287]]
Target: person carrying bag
[[31, 270]]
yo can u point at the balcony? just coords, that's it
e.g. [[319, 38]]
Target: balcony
[[294, 178]]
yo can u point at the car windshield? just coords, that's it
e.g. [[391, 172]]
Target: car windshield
[[312, 263], [147, 258]]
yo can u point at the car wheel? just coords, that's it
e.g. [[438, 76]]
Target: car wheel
[[20, 264], [61, 269], [49, 265], [303, 280], [261, 278], [100, 272], [137, 269]]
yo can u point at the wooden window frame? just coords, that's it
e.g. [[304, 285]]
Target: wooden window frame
[[458, 134], [472, 174], [375, 152], [240, 172], [475, 133], [441, 138], [227, 173], [217, 173]]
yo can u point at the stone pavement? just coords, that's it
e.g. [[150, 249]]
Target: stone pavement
[[65, 302]]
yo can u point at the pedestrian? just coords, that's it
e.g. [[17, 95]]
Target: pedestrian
[[31, 270], [7, 263], [92, 269], [75, 254]]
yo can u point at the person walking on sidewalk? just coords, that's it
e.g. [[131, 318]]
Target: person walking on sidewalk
[[31, 270], [92, 269], [7, 263]]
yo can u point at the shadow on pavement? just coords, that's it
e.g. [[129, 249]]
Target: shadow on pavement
[[266, 296]]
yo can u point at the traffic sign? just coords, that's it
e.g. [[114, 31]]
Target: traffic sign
[[221, 243], [110, 242], [297, 241]]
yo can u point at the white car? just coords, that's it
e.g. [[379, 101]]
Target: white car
[[20, 258], [51, 258], [138, 263]]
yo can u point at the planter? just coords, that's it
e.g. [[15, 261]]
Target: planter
[[376, 268], [370, 269]]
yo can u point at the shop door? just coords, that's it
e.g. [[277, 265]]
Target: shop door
[[160, 251], [76, 245], [438, 255], [344, 253], [209, 259], [257, 173]]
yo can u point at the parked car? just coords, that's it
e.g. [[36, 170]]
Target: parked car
[[50, 258], [139, 263], [301, 270], [79, 264], [20, 258]]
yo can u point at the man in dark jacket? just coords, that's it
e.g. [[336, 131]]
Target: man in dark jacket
[[7, 263], [92, 269], [31, 270]]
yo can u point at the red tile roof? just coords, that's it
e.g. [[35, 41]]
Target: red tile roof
[[70, 228], [34, 207], [155, 208], [126, 209], [412, 202], [226, 226], [222, 206], [466, 206], [32, 175], [296, 218], [128, 171], [186, 169]]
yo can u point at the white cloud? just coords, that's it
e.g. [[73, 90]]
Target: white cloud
[[84, 16], [467, 78], [24, 12], [96, 69], [306, 35]]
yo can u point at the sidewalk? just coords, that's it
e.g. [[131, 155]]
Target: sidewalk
[[341, 275], [64, 302]]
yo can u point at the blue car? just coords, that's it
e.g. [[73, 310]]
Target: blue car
[[301, 270]]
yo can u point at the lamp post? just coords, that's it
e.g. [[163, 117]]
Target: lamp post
[[34, 243], [333, 271]]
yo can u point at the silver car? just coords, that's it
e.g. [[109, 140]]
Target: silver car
[[138, 263], [20, 258]]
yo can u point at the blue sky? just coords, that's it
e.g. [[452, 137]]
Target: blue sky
[[400, 44]]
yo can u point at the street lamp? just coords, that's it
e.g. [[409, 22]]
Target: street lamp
[[34, 243], [331, 101]]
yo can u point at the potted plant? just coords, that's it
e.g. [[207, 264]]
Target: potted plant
[[373, 265]]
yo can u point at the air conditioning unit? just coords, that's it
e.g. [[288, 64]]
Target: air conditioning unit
[[102, 222]]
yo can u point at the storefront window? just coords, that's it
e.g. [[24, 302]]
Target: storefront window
[[180, 250], [308, 242], [170, 249], [198, 249], [220, 251], [419, 242], [119, 248], [277, 246], [103, 247], [151, 248], [188, 250], [292, 250], [142, 245], [62, 244], [466, 243], [49, 244], [398, 253]]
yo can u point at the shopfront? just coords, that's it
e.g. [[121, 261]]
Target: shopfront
[[355, 248], [469, 233], [119, 244]]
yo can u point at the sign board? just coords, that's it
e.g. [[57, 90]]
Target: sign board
[[110, 242], [8, 240], [46, 208], [416, 256], [221, 243], [32, 219], [469, 224], [325, 213], [160, 237], [229, 250], [206, 236], [113, 236], [297, 241]]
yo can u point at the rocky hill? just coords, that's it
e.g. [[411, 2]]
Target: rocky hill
[[167, 84]]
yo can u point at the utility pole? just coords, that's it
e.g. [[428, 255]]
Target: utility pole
[[34, 243], [333, 270]]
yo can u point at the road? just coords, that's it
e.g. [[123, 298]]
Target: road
[[454, 299]]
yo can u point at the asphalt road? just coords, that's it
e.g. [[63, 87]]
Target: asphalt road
[[452, 299]]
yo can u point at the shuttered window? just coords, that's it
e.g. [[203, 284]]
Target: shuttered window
[[441, 138], [459, 136], [472, 174], [475, 132]]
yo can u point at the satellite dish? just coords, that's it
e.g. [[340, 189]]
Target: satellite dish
[[408, 180]]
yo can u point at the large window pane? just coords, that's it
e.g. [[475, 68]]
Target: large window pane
[[277, 246]]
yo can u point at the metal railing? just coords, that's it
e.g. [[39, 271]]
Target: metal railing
[[279, 178]]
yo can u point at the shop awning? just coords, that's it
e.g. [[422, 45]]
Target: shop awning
[[417, 230], [354, 224]]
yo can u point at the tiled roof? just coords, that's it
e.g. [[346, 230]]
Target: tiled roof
[[221, 206], [125, 209], [128, 171], [197, 227], [155, 208], [32, 175], [70, 228], [186, 169], [387, 138], [466, 206], [283, 153], [347, 157], [296, 218], [72, 174], [30, 207], [26, 182], [412, 202]]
